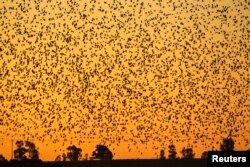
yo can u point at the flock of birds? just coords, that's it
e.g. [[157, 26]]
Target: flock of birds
[[148, 73]]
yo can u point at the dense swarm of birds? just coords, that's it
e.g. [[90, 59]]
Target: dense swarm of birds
[[141, 72]]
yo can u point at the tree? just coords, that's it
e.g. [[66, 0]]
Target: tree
[[204, 155], [74, 153], [162, 154], [22, 149], [19, 153], [58, 158], [102, 152], [187, 153], [31, 150], [64, 157], [172, 152], [2, 158], [86, 156], [227, 144]]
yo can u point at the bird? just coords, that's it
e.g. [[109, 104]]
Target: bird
[[141, 73]]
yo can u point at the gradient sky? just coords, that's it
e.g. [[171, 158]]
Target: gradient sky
[[136, 76]]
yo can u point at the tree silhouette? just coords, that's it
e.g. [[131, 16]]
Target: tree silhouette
[[20, 152], [227, 144], [32, 151], [86, 156], [187, 153], [29, 148], [2, 158], [162, 154], [172, 152], [204, 155], [102, 152], [64, 157], [74, 153], [58, 158]]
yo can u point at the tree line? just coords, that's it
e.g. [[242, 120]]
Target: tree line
[[187, 153], [27, 150]]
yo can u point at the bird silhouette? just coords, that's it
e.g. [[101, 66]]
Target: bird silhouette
[[143, 73]]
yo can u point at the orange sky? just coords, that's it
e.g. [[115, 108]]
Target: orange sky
[[118, 72]]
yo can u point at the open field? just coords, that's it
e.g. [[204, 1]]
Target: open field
[[113, 163]]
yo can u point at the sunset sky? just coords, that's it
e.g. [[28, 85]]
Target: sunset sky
[[134, 75]]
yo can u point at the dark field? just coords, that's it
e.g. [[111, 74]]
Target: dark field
[[113, 163]]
